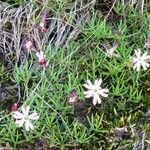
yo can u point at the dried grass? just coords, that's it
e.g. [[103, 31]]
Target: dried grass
[[139, 4], [17, 26], [140, 145]]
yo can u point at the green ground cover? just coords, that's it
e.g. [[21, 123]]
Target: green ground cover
[[121, 121]]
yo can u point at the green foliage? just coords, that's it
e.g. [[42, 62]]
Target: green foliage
[[15, 2]]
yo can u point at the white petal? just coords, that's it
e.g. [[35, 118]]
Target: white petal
[[88, 96], [98, 83], [144, 65], [105, 90], [96, 96], [25, 110], [102, 93], [17, 115], [135, 60], [94, 101], [147, 65], [138, 67], [89, 85], [86, 86], [20, 122], [28, 125], [145, 56], [138, 53], [99, 101], [34, 116], [89, 82], [88, 92]]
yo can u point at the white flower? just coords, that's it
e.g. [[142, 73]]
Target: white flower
[[111, 52], [95, 90], [41, 57], [140, 60], [25, 118]]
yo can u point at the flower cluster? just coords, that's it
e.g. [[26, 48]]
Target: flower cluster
[[139, 60], [40, 54], [30, 46], [95, 90]]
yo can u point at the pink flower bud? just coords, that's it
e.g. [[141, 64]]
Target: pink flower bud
[[44, 29], [72, 98], [42, 61], [28, 45], [14, 107], [41, 58]]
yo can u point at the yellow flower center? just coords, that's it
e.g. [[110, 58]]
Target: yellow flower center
[[95, 90]]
